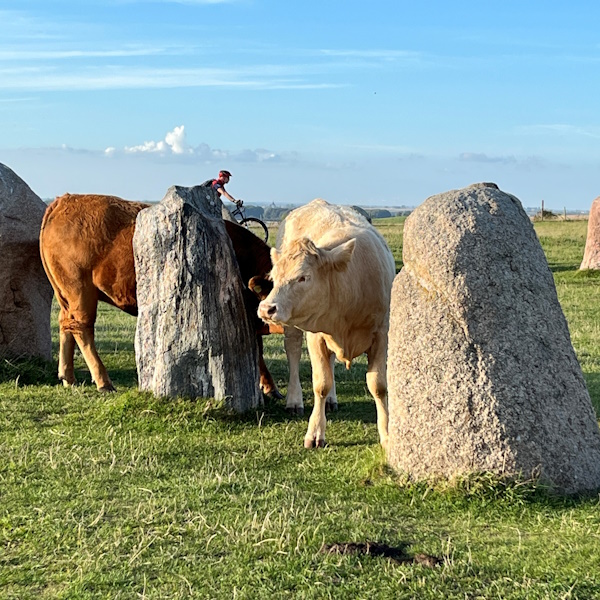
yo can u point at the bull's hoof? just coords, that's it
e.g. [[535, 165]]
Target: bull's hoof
[[331, 406], [295, 411], [314, 443], [109, 387], [66, 383]]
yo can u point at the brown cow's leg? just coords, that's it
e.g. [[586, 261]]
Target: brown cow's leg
[[85, 341], [377, 383], [320, 359], [267, 385], [66, 371], [80, 321]]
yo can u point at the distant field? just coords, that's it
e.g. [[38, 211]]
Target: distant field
[[129, 496]]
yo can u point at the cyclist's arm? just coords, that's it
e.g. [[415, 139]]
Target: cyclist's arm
[[227, 195]]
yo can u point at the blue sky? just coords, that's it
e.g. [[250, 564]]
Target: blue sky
[[372, 103]]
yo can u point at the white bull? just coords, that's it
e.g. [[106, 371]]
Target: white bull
[[332, 278]]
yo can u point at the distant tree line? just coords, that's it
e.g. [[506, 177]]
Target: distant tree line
[[277, 213]]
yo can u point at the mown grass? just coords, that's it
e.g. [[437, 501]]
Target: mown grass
[[129, 496]]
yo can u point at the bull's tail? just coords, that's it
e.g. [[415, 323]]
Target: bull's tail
[[62, 301]]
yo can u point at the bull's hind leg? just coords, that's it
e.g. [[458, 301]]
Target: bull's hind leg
[[79, 321], [377, 383], [322, 373], [331, 404]]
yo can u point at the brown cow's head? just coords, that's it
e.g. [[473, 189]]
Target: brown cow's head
[[261, 286]]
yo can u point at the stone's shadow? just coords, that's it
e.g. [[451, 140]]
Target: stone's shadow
[[28, 371]]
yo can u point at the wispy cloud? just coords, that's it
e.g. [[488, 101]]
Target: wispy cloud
[[120, 77], [190, 2], [49, 55], [484, 158], [526, 163], [561, 129], [374, 53]]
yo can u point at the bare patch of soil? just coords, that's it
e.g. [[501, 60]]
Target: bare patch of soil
[[397, 554]]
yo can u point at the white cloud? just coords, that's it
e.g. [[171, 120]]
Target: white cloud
[[176, 140], [175, 144]]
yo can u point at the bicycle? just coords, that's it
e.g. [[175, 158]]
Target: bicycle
[[253, 224]]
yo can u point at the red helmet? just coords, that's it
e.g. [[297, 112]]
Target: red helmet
[[224, 174]]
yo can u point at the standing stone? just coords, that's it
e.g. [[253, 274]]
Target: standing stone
[[25, 292], [193, 335], [591, 255], [482, 374]]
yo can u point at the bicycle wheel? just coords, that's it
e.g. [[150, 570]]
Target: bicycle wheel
[[257, 227]]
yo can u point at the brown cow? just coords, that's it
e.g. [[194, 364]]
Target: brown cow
[[87, 252]]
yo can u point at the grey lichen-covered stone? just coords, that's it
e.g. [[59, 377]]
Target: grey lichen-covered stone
[[25, 292], [591, 255], [193, 336], [481, 371]]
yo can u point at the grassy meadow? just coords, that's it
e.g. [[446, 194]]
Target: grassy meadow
[[128, 496]]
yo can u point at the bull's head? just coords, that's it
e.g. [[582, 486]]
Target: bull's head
[[301, 279]]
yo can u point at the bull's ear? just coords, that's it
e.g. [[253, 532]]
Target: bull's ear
[[340, 256], [274, 255], [261, 286]]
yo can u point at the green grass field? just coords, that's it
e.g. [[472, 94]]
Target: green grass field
[[129, 496]]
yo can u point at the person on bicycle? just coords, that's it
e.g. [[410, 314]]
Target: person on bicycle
[[219, 186]]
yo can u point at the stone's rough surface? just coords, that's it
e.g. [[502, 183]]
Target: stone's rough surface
[[591, 256], [25, 292], [482, 374], [193, 336]]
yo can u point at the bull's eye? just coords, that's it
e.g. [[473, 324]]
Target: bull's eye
[[301, 279]]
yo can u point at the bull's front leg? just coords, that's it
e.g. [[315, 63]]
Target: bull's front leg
[[322, 374], [293, 350], [377, 382]]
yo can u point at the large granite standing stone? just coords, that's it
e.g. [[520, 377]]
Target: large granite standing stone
[[25, 292], [481, 371], [591, 255], [193, 336]]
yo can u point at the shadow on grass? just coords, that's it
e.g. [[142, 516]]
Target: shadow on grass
[[28, 371]]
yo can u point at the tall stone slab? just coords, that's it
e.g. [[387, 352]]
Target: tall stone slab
[[25, 292], [591, 255], [481, 371], [193, 336]]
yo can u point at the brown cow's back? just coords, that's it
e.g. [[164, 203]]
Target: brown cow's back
[[86, 239]]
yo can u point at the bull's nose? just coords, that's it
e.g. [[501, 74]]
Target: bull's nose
[[267, 310]]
